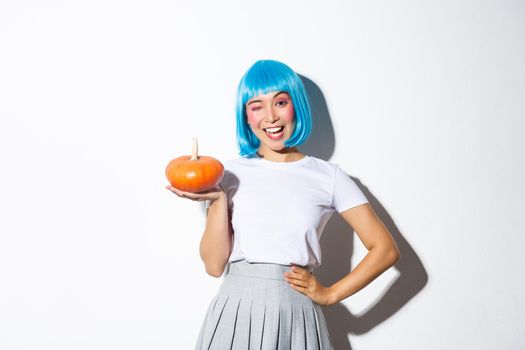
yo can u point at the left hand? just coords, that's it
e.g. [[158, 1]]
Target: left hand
[[305, 282]]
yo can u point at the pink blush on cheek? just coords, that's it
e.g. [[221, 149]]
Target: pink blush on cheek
[[288, 115], [252, 118]]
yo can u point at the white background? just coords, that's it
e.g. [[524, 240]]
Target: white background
[[421, 102]]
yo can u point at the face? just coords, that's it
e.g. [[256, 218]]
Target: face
[[271, 118]]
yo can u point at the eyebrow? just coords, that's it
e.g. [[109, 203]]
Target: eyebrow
[[274, 96]]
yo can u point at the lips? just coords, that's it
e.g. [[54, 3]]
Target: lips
[[276, 135], [274, 129]]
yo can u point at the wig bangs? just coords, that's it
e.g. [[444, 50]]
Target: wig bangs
[[260, 81], [263, 77]]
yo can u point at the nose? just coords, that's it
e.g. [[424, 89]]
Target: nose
[[271, 116]]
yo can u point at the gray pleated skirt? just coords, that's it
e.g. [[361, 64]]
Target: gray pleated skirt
[[255, 308]]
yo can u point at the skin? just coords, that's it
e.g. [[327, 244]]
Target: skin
[[276, 109], [382, 254], [270, 110]]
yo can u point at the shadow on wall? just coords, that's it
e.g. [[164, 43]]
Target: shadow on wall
[[337, 244]]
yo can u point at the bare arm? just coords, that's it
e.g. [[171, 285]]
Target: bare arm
[[382, 251], [215, 245]]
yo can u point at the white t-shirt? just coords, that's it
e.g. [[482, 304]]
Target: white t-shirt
[[279, 209]]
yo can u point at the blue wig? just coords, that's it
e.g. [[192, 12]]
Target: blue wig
[[265, 76]]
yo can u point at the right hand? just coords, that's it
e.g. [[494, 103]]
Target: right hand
[[211, 194]]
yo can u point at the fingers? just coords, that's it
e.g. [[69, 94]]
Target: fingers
[[297, 273], [184, 194], [305, 282], [297, 282], [175, 190]]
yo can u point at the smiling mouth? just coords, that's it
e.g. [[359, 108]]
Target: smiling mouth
[[274, 130]]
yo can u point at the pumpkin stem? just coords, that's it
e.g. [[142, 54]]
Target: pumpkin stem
[[194, 151]]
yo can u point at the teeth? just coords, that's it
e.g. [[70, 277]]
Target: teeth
[[273, 130]]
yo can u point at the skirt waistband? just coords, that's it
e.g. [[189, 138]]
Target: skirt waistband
[[260, 269]]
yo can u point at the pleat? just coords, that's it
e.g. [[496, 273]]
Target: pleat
[[262, 314], [271, 327], [285, 327], [223, 337], [257, 318], [207, 317], [213, 321], [241, 334], [312, 337], [322, 330], [298, 336]]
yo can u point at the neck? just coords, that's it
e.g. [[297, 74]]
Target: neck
[[284, 155]]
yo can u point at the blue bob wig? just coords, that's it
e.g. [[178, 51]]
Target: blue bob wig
[[262, 77]]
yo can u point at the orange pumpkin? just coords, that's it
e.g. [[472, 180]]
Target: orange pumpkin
[[194, 173]]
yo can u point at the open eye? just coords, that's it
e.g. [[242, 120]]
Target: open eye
[[281, 103]]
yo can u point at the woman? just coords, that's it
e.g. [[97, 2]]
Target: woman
[[265, 220]]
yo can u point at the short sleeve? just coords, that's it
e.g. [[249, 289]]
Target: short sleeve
[[346, 194]]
